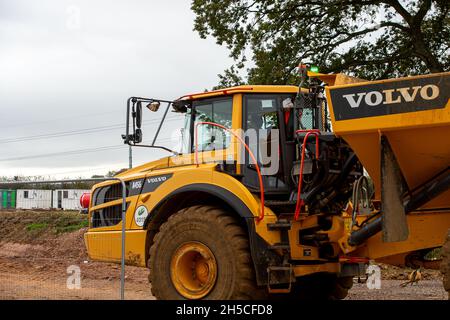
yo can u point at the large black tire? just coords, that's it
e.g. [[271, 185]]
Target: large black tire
[[321, 287], [341, 287], [226, 239], [445, 264]]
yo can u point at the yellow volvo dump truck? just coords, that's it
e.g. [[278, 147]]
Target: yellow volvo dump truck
[[283, 190]]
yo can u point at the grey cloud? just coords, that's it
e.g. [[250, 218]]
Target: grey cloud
[[54, 78]]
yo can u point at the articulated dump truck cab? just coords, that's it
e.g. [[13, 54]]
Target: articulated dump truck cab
[[269, 198]]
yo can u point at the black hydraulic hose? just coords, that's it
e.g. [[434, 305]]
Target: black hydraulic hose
[[359, 236], [346, 169], [319, 185], [331, 192], [429, 193]]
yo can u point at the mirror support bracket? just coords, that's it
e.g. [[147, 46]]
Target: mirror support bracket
[[135, 138]]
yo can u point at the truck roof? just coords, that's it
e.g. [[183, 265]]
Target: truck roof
[[242, 89]]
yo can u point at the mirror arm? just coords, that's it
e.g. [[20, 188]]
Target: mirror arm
[[157, 147], [161, 123], [129, 138]]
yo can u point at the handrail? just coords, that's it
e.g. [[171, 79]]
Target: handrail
[[315, 132], [261, 186]]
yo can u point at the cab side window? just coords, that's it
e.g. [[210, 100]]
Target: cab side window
[[262, 117], [217, 111]]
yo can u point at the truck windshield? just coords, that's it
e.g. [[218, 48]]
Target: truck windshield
[[217, 110]]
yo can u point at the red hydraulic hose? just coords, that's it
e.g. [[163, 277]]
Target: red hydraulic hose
[[315, 132], [261, 186]]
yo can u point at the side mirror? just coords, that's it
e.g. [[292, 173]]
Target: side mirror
[[138, 115], [154, 106], [138, 136]]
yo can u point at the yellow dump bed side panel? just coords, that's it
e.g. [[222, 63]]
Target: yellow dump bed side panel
[[413, 113]]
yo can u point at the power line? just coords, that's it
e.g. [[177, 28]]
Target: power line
[[72, 171], [70, 152], [75, 132], [59, 134], [60, 118], [115, 111]]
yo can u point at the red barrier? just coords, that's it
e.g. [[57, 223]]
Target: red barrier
[[85, 199]]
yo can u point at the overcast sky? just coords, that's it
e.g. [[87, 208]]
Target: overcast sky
[[71, 65]]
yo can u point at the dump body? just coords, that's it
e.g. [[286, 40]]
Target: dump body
[[400, 131], [413, 113]]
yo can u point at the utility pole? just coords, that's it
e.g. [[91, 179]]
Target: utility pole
[[130, 158]]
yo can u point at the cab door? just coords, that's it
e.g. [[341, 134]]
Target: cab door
[[266, 133]]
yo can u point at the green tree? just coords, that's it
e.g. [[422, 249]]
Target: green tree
[[371, 39]]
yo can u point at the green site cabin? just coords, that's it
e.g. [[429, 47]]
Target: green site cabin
[[7, 199]]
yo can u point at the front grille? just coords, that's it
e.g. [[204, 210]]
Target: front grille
[[106, 217], [107, 194]]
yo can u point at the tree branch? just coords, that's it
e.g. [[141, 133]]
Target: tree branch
[[426, 5], [394, 25], [353, 35], [399, 8]]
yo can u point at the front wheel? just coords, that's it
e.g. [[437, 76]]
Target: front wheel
[[202, 252]]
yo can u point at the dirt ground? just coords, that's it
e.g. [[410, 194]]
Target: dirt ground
[[34, 261], [36, 267]]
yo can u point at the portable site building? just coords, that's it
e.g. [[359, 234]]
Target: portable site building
[[7, 199], [34, 199], [67, 199]]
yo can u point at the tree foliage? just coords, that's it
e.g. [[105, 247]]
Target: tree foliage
[[370, 39]]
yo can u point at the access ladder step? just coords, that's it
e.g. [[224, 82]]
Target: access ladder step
[[279, 203], [280, 246], [284, 225], [274, 285], [280, 268]]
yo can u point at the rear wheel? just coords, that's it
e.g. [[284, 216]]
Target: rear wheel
[[322, 287], [341, 287], [445, 264], [202, 252]]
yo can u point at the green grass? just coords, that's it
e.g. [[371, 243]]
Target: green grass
[[56, 222], [37, 226], [71, 227], [434, 254]]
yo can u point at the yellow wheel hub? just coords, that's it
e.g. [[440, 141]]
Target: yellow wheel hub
[[193, 270]]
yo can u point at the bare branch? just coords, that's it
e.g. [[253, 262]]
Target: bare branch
[[426, 5], [399, 8]]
